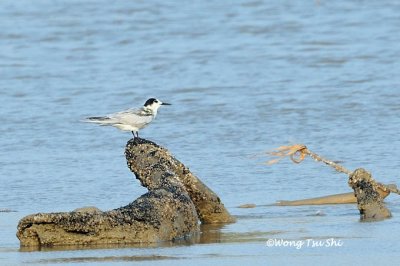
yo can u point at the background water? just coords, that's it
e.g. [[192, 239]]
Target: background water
[[243, 76]]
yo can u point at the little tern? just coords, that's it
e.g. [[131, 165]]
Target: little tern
[[132, 119]]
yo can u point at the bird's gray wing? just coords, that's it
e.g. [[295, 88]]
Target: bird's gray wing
[[138, 117]]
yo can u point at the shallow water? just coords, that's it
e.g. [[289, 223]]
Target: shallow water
[[243, 77]]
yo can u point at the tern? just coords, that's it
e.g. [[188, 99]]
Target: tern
[[132, 119]]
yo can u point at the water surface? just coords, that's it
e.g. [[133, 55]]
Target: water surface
[[244, 77]]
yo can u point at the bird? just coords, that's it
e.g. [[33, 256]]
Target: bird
[[132, 119]]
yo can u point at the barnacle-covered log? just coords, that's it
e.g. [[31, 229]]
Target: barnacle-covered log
[[164, 213], [172, 208], [369, 200], [147, 160]]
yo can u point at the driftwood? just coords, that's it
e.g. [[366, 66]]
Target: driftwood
[[172, 208], [368, 193]]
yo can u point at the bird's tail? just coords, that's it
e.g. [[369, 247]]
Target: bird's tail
[[99, 120]]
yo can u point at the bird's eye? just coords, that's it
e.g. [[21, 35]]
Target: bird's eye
[[156, 101]]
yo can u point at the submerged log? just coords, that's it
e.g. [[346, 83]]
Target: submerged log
[[369, 200], [170, 210], [342, 198]]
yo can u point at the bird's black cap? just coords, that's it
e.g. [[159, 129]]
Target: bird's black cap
[[150, 101], [154, 100]]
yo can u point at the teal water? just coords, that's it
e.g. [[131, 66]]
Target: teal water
[[244, 77]]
